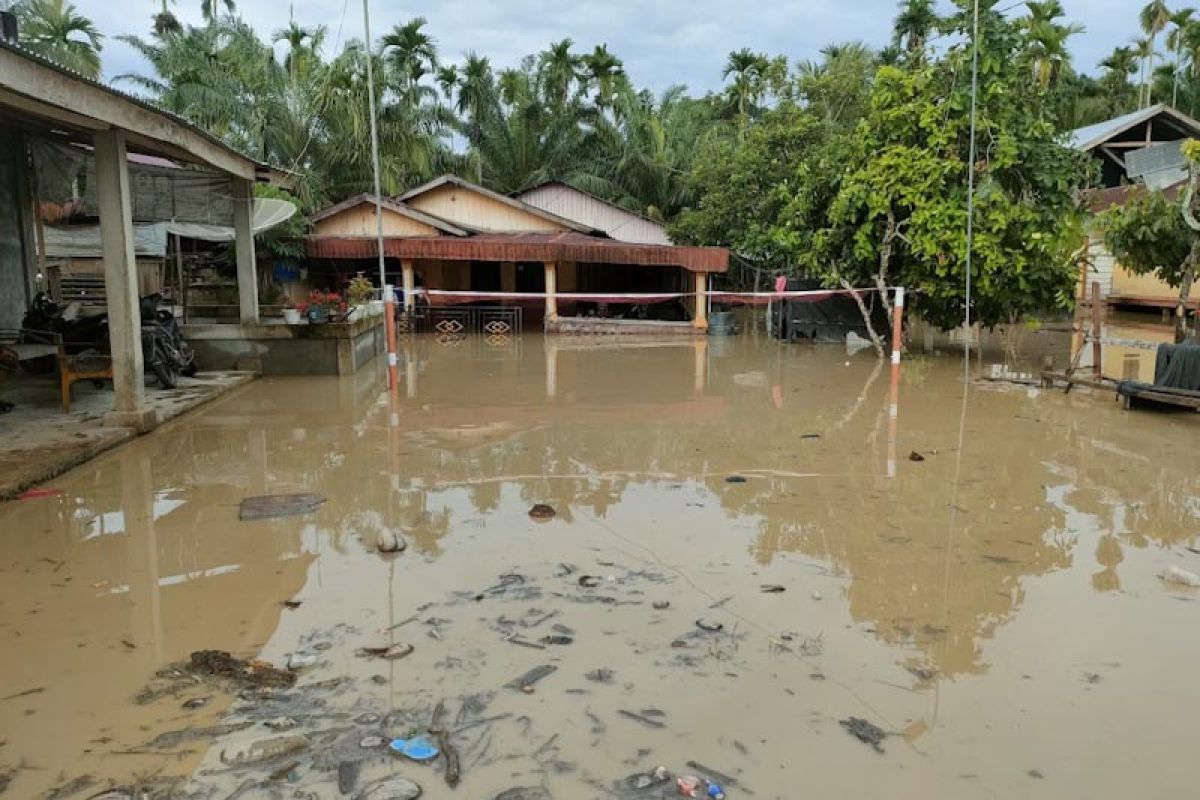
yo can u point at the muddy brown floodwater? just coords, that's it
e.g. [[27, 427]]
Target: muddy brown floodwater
[[995, 609]]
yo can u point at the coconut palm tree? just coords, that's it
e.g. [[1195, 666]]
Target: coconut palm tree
[[1181, 20], [747, 69], [604, 71], [911, 29], [165, 21], [1121, 65], [410, 54], [1144, 47], [559, 69], [303, 44], [209, 9], [1048, 52], [1154, 18], [55, 29]]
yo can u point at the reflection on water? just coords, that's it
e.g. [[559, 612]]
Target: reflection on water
[[962, 634]]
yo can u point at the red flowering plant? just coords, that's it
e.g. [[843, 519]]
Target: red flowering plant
[[324, 303]]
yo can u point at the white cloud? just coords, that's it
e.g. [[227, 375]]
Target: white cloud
[[661, 43]]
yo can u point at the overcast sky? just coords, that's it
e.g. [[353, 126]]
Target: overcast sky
[[661, 43]]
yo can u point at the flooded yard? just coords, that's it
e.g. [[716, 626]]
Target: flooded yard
[[729, 586]]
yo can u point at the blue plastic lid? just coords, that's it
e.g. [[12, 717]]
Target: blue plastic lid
[[417, 748]]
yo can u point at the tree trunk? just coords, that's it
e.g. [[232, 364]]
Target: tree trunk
[[866, 315], [1185, 289]]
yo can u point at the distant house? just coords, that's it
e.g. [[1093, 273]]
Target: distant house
[[1139, 151], [577, 205], [550, 250]]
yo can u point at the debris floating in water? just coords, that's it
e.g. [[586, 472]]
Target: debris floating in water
[[531, 677], [1181, 577], [865, 732], [269, 506], [391, 652], [735, 479], [915, 456], [542, 512]]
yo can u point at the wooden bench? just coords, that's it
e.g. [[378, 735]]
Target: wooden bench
[[30, 345]]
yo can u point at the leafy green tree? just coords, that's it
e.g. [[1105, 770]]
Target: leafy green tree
[[56, 30], [1153, 235], [743, 187], [899, 216]]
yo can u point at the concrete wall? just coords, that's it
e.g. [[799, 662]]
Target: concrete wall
[[360, 221], [14, 218], [288, 349], [473, 210], [624, 226]]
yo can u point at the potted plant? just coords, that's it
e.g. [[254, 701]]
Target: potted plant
[[320, 305], [360, 291], [291, 314]]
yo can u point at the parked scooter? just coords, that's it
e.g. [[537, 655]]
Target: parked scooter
[[165, 354], [164, 350]]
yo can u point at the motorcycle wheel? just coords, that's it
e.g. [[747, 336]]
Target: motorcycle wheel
[[163, 372], [189, 369]]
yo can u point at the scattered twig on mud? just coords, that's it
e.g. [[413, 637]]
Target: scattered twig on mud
[[25, 693], [478, 722], [449, 753], [721, 602], [487, 744], [652, 723], [402, 623], [172, 754], [512, 638], [545, 745], [242, 789]]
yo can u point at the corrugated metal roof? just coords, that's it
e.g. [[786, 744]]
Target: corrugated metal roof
[[564, 246], [1091, 136], [17, 49]]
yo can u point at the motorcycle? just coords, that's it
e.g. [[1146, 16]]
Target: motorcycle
[[164, 350], [165, 354]]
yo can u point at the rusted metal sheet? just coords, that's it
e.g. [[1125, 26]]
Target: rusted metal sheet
[[566, 246]]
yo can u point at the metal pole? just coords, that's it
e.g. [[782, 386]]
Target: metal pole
[[389, 300], [971, 191], [894, 390]]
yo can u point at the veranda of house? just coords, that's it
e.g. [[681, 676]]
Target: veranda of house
[[450, 243]]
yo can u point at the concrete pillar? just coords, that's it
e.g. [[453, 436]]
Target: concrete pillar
[[121, 281], [247, 268], [551, 291], [700, 317], [551, 368], [508, 276], [700, 365], [408, 280]]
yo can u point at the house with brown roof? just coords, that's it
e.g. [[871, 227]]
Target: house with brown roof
[[454, 243]]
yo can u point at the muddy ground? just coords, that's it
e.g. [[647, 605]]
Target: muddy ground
[[730, 586]]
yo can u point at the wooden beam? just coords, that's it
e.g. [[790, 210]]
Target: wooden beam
[[1134, 145], [59, 96]]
